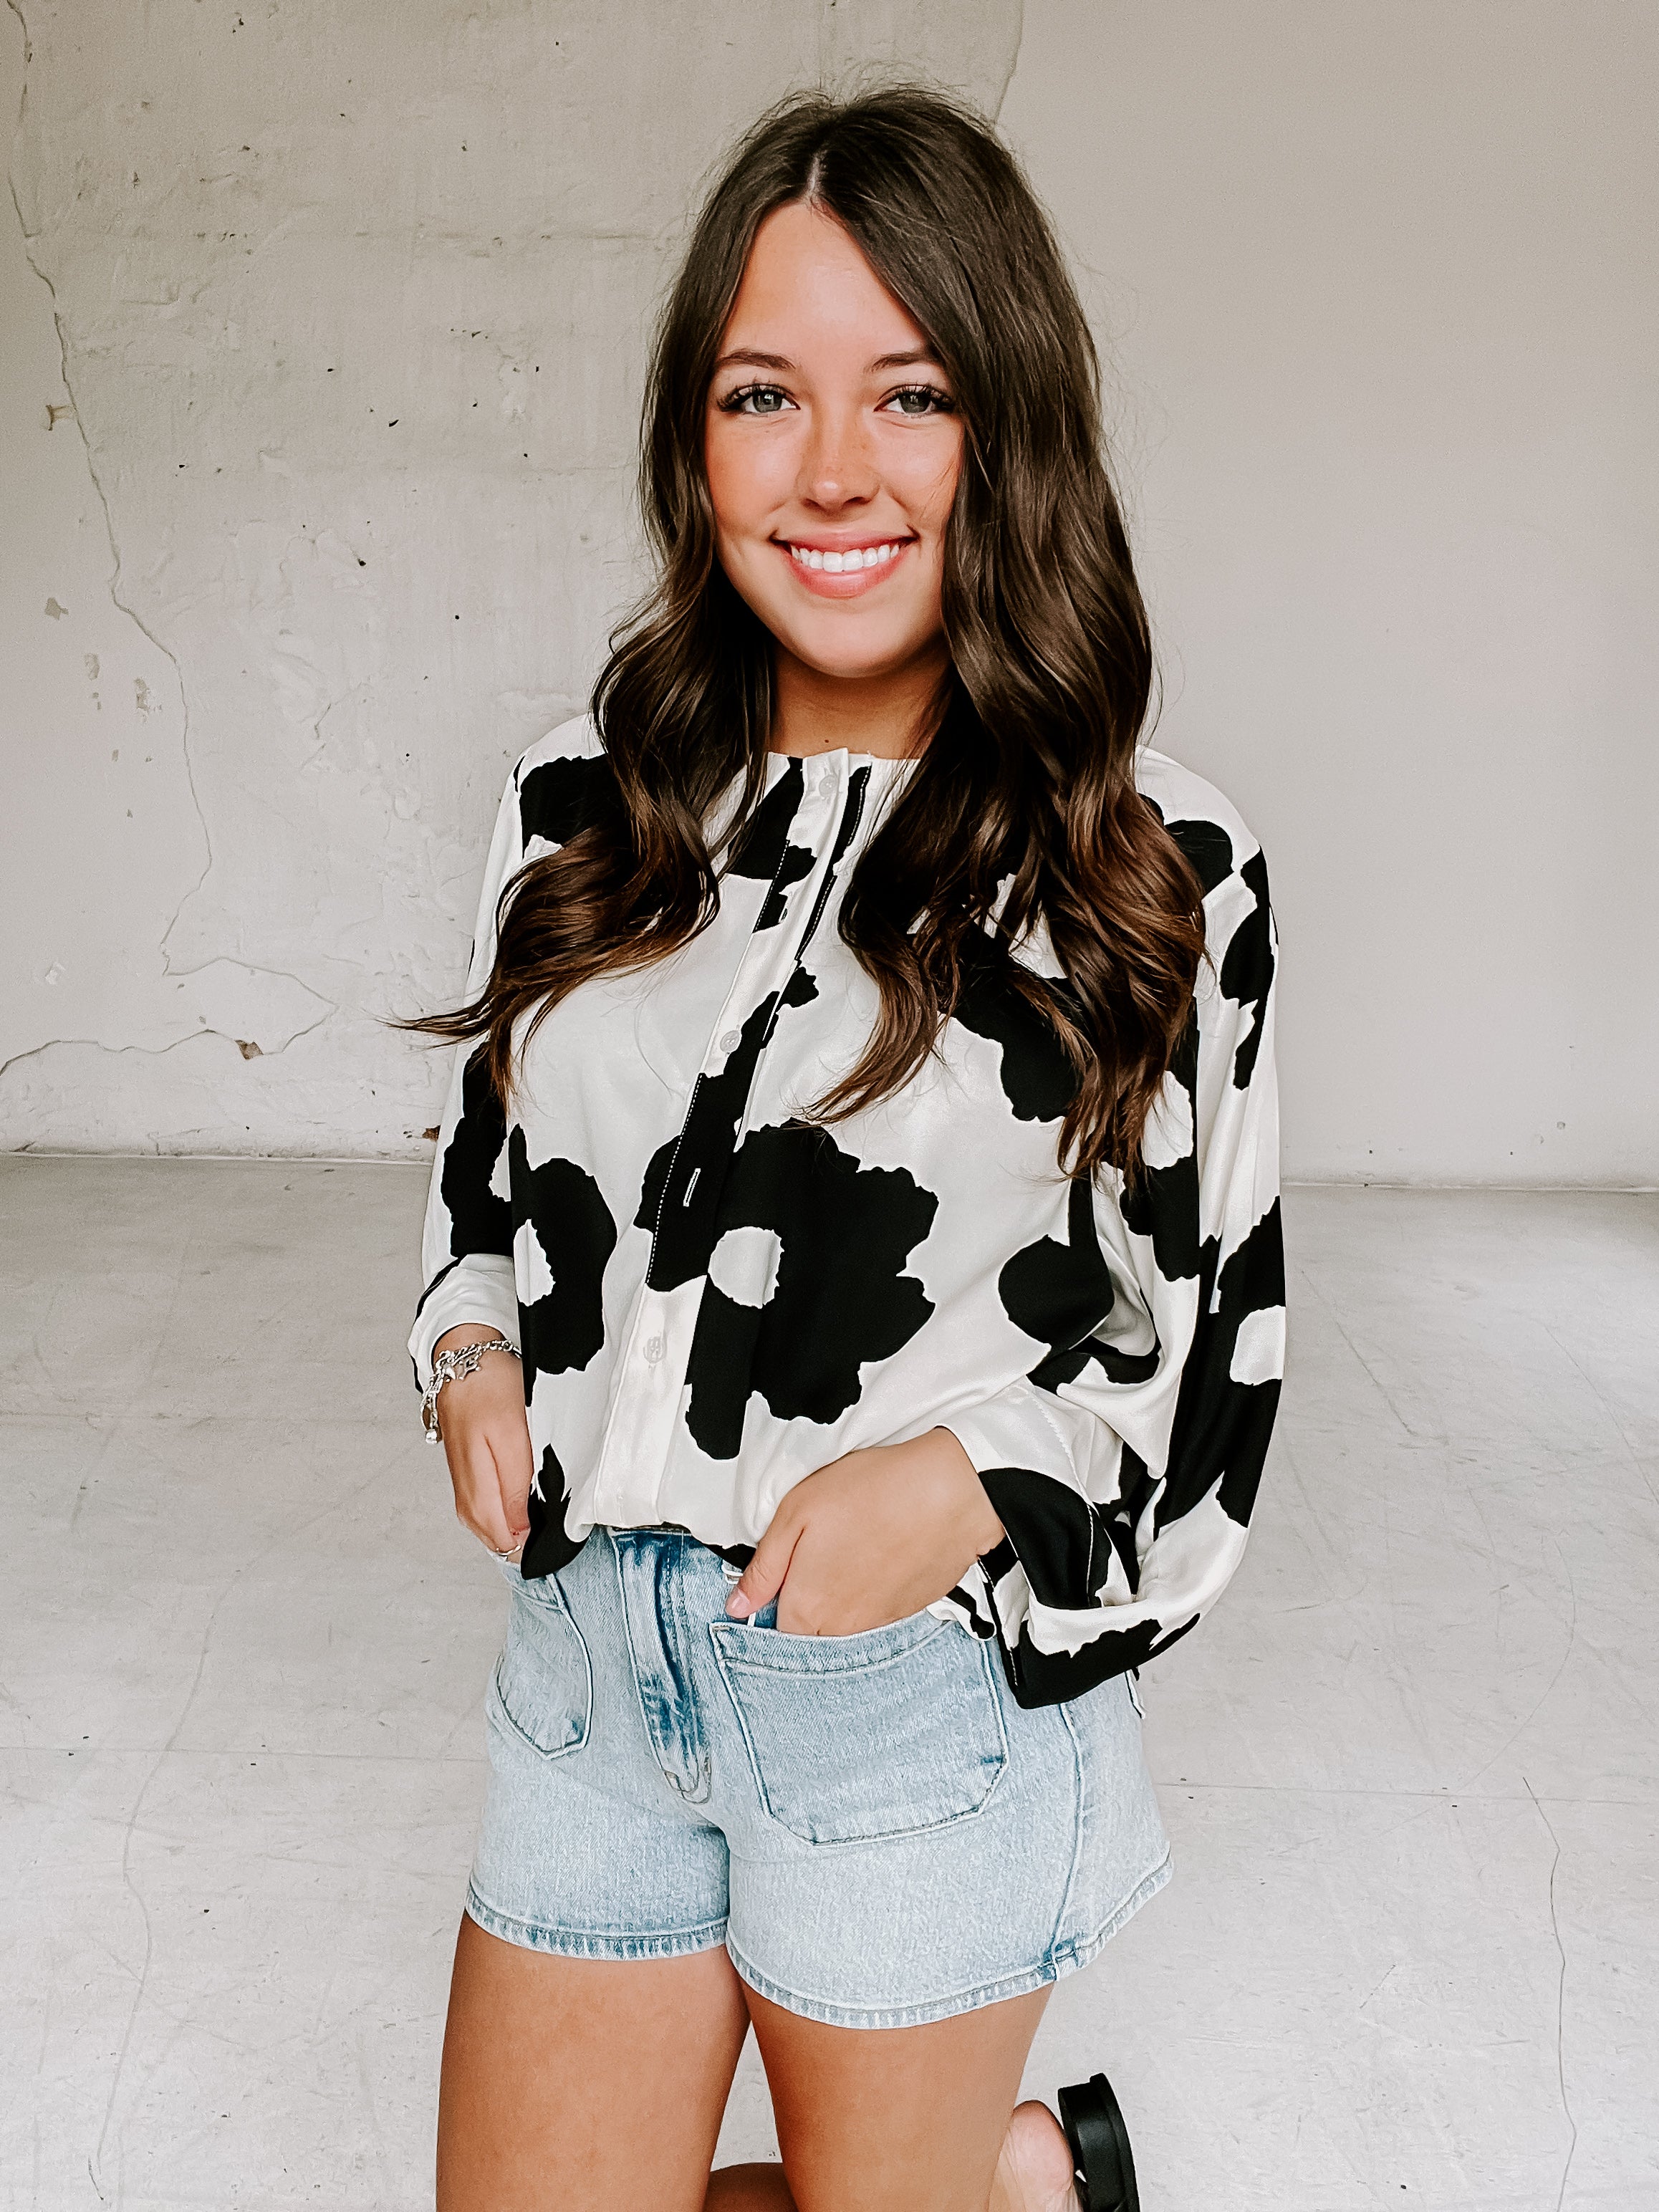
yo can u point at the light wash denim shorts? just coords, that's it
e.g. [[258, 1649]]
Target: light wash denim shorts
[[875, 1831]]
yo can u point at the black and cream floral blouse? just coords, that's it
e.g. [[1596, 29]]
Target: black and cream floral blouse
[[712, 1299]]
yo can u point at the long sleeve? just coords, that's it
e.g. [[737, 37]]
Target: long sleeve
[[466, 1242], [1124, 1466]]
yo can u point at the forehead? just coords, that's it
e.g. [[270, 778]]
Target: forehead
[[807, 286]]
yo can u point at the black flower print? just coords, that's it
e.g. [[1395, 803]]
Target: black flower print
[[562, 797], [680, 1199], [712, 1295], [574, 1232], [1225, 1410], [479, 1219], [1208, 850], [1062, 1294], [1037, 1079], [765, 852], [1247, 972], [549, 1546], [831, 1294], [1162, 1203]]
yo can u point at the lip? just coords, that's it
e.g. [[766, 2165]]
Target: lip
[[849, 584]]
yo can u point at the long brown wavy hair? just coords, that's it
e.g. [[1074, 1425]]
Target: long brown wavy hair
[[1029, 773]]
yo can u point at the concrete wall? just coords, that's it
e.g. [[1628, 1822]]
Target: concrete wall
[[324, 511], [320, 335], [1381, 284]]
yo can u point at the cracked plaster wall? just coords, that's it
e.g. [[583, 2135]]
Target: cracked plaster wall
[[332, 514], [323, 332]]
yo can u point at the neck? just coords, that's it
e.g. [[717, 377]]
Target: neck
[[890, 715]]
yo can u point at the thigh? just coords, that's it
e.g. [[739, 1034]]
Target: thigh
[[894, 2119], [583, 2084]]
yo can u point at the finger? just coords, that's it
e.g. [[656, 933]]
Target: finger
[[763, 1579], [514, 1467], [479, 1498]]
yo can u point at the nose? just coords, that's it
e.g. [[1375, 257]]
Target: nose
[[837, 468]]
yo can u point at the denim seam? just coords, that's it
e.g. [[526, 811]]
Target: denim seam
[[626, 1626], [1053, 1969], [837, 2016], [497, 1709], [689, 1730], [498, 1703], [1088, 1948], [889, 1835], [992, 1673], [1056, 1945], [592, 1944], [743, 1725], [721, 1632]]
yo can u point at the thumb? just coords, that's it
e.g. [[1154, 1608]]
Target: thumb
[[514, 1468], [763, 1579]]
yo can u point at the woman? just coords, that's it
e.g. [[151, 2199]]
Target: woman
[[863, 1132]]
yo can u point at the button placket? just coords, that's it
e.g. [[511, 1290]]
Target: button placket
[[768, 960], [839, 815]]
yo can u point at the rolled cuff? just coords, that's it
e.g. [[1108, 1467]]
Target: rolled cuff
[[1015, 1428], [479, 1291]]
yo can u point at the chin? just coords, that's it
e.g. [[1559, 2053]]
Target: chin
[[853, 652]]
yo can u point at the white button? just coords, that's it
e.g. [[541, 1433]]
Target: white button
[[731, 1041], [654, 1348]]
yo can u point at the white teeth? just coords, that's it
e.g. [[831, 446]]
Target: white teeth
[[856, 557]]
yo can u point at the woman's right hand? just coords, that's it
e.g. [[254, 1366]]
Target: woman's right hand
[[486, 1439]]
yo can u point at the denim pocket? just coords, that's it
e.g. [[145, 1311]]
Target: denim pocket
[[544, 1681], [854, 1738]]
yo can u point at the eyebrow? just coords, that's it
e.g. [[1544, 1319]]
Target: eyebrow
[[917, 357]]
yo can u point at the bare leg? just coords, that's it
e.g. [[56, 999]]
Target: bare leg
[[908, 2119], [748, 2189], [1033, 2172], [583, 2084]]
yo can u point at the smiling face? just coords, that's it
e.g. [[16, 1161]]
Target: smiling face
[[832, 449]]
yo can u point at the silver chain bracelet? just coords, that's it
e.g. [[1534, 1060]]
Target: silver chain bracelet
[[449, 1367]]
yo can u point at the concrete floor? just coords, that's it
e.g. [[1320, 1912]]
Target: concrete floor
[[1409, 1765]]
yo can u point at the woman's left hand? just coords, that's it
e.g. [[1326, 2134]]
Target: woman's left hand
[[870, 1538]]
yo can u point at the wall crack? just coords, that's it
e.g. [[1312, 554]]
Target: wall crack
[[1560, 1998]]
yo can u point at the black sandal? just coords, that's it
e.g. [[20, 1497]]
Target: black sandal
[[1101, 2163]]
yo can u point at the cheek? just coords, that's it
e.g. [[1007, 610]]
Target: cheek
[[927, 485], [742, 473], [719, 473]]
